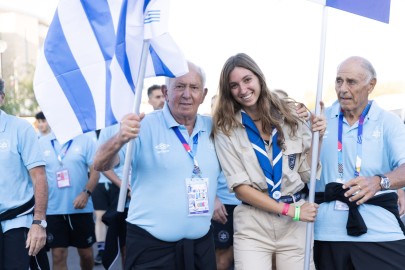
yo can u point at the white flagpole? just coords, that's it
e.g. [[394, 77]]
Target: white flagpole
[[315, 139], [135, 109]]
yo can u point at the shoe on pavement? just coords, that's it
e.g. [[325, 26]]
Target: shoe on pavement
[[99, 257]]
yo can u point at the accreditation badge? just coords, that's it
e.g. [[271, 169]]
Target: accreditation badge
[[62, 178], [341, 206], [197, 196]]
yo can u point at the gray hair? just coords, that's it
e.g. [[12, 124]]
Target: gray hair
[[191, 66]]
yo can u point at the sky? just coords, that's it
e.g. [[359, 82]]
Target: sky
[[282, 36]]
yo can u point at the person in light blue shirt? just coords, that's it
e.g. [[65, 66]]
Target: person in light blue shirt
[[42, 123], [22, 183], [70, 208], [174, 179], [363, 162]]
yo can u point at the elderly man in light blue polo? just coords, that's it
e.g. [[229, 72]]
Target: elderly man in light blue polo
[[174, 179], [363, 163]]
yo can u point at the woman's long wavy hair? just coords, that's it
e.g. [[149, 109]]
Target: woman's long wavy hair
[[272, 109]]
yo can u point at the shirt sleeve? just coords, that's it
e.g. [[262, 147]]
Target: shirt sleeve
[[29, 148], [239, 166]]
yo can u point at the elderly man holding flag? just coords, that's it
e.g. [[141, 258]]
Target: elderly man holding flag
[[89, 73], [174, 179]]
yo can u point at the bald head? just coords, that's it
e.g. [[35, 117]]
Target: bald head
[[358, 61], [355, 80]]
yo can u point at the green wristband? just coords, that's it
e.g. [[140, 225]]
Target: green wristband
[[297, 213]]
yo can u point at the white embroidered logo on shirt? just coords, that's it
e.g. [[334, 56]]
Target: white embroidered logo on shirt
[[376, 133], [47, 153], [162, 148], [4, 145]]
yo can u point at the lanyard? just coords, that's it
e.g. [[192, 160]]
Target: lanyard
[[61, 155], [359, 142], [196, 169]]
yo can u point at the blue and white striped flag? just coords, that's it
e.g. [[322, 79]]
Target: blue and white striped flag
[[87, 71], [378, 10]]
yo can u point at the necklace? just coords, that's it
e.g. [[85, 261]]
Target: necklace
[[256, 120]]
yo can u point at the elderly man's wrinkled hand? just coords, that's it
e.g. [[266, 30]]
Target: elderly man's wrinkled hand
[[318, 122], [130, 127], [302, 111], [362, 188]]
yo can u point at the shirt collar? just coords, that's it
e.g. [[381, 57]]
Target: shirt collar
[[51, 136], [372, 113], [171, 122]]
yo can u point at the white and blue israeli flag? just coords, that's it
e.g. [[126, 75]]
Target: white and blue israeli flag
[[87, 70]]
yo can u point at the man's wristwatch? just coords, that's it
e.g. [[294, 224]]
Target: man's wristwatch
[[41, 223], [385, 182], [88, 192]]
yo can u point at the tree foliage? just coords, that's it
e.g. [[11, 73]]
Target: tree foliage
[[20, 99]]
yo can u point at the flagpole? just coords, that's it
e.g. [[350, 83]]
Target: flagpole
[[315, 139], [135, 109]]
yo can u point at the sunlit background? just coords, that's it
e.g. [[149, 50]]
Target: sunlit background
[[283, 36]]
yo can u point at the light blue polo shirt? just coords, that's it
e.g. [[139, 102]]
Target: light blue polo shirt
[[223, 193], [19, 153], [383, 151], [78, 159], [105, 135], [160, 166]]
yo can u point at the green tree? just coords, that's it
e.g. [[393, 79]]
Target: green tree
[[20, 99]]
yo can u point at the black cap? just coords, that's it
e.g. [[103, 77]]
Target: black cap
[[40, 116]]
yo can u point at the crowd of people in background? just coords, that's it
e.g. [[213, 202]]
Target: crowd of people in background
[[223, 192]]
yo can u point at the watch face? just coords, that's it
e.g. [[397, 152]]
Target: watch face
[[385, 183], [44, 223], [41, 223]]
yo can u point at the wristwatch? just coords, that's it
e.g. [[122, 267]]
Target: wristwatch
[[385, 182], [41, 223], [88, 192]]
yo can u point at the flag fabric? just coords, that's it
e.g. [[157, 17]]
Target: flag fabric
[[87, 70], [374, 9]]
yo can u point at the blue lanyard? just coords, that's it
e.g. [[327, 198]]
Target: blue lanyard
[[196, 169], [359, 142], [61, 155]]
